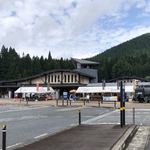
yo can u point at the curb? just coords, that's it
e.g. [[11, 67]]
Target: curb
[[125, 139]]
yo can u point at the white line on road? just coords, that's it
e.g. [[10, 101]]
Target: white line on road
[[24, 109], [11, 146], [40, 136], [138, 109], [69, 109], [99, 117]]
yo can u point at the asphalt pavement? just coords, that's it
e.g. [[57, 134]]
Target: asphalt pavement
[[84, 137], [37, 120]]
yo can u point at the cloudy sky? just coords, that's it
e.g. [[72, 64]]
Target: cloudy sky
[[71, 28]]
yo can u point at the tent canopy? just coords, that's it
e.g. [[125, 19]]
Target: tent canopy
[[34, 90], [107, 89]]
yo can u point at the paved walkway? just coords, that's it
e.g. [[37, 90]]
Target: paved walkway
[[129, 105], [140, 141], [84, 137]]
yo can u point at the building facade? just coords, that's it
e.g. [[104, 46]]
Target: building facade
[[60, 80]]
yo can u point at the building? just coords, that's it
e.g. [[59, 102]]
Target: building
[[60, 80]]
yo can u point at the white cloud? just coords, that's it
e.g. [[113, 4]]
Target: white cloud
[[68, 28]]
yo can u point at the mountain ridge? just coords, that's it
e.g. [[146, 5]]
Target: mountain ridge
[[134, 45], [130, 58]]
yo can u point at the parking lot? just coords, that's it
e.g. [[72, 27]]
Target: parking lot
[[27, 123]]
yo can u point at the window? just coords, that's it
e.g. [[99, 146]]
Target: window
[[58, 77], [76, 78], [48, 78], [52, 78], [68, 78], [72, 78], [55, 78], [64, 78]]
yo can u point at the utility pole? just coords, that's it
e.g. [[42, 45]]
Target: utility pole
[[122, 105]]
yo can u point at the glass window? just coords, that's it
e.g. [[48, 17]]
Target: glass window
[[68, 78], [64, 78], [72, 78]]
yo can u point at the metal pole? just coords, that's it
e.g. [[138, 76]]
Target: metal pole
[[4, 137], [63, 102], [84, 102], [133, 115], [56, 102], [121, 105], [99, 103], [115, 105], [26, 100], [70, 102], [79, 117], [124, 121]]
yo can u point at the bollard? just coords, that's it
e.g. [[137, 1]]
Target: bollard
[[56, 102], [67, 101], [84, 102], [4, 137], [70, 102], [62, 102], [79, 117], [133, 115], [115, 105], [99, 103]]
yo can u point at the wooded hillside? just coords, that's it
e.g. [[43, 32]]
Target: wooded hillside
[[131, 58], [12, 66]]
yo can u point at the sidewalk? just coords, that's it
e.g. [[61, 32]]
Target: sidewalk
[[84, 137], [129, 105]]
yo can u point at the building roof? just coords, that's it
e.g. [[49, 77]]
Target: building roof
[[45, 73], [128, 78], [100, 89], [107, 84], [35, 90], [83, 61]]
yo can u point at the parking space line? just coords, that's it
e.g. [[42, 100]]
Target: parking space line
[[7, 111], [11, 146], [40, 136], [99, 117], [69, 109]]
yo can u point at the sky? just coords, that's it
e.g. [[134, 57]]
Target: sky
[[71, 28]]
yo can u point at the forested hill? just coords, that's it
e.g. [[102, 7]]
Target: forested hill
[[137, 46], [13, 66], [131, 58]]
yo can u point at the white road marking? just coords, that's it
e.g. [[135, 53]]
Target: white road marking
[[11, 146], [24, 109], [98, 117], [69, 109], [138, 109], [22, 118], [42, 135], [101, 123]]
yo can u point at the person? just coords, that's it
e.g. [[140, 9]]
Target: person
[[101, 98], [71, 97], [74, 97], [88, 97]]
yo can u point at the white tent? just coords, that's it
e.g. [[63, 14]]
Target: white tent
[[107, 89], [34, 90]]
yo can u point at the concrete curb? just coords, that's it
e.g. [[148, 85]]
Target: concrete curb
[[125, 139]]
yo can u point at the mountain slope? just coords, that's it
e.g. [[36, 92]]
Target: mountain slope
[[131, 58], [137, 46]]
